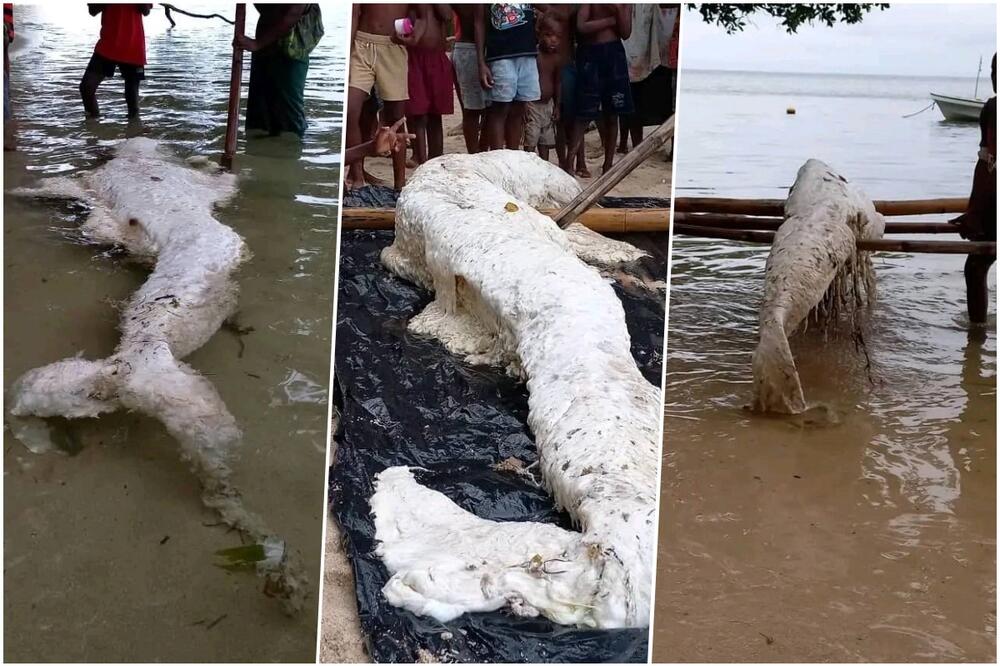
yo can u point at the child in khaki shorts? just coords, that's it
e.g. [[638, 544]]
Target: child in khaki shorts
[[378, 62]]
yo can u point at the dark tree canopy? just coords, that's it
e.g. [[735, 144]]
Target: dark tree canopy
[[734, 17]]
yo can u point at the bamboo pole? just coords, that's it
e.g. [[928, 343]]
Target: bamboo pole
[[235, 83], [775, 207], [752, 222], [602, 220], [601, 186], [873, 245]]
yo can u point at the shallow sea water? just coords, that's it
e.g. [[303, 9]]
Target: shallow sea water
[[873, 538], [108, 553]]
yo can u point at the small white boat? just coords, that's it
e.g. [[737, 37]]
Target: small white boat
[[963, 109]]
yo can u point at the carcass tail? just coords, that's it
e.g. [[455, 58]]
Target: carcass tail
[[155, 383], [775, 379], [446, 561]]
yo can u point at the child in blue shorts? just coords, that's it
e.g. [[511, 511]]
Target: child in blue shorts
[[508, 71]]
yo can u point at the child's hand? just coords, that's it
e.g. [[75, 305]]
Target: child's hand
[[245, 43], [485, 76], [555, 113], [388, 141]]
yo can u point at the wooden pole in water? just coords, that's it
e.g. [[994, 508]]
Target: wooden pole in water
[[776, 207], [872, 245], [602, 220], [235, 84], [760, 223], [601, 186]]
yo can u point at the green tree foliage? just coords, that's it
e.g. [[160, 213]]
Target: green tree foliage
[[734, 17]]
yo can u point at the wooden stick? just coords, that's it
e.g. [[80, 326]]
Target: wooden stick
[[235, 83], [167, 8], [752, 222], [601, 186], [602, 220], [874, 245], [775, 207]]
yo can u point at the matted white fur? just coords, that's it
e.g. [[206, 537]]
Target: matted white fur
[[160, 211], [509, 290], [814, 264]]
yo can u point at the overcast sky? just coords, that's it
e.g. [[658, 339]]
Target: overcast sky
[[928, 40]]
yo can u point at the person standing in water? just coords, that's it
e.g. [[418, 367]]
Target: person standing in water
[[979, 222], [8, 114], [285, 36], [122, 46]]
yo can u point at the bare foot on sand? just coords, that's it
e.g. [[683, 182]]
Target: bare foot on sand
[[373, 180]]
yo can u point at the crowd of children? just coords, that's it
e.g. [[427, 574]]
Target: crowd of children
[[532, 77]]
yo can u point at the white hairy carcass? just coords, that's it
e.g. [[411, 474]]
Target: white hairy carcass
[[510, 290], [814, 266], [159, 211]]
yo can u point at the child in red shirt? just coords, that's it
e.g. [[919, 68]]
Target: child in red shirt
[[123, 46]]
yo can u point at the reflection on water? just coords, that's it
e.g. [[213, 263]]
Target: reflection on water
[[871, 538], [108, 553]]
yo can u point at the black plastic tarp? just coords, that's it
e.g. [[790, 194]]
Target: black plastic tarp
[[404, 400]]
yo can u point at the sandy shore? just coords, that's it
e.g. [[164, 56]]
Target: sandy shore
[[650, 179], [340, 634]]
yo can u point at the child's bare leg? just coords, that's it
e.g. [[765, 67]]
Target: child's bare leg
[[543, 152], [496, 117], [514, 125], [435, 135], [471, 124], [635, 129], [418, 125], [610, 137], [88, 91], [391, 112], [356, 99], [623, 134], [561, 146], [484, 143]]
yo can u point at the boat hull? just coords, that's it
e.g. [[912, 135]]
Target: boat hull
[[959, 109]]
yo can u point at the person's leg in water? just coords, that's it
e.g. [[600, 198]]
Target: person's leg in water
[[977, 289], [95, 73], [132, 77], [356, 100]]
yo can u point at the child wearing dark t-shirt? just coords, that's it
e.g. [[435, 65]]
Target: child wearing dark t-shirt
[[122, 46], [507, 47]]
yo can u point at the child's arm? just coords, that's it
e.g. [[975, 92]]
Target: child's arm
[[624, 20], [556, 92], [589, 26], [479, 21], [355, 17]]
